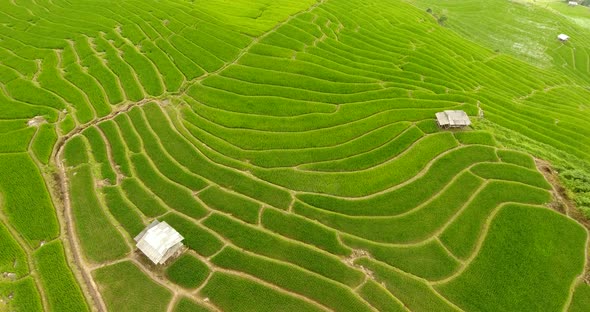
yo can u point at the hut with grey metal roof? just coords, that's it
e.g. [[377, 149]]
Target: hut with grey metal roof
[[159, 241], [452, 119], [563, 37]]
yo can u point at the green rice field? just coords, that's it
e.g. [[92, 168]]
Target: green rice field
[[293, 145]]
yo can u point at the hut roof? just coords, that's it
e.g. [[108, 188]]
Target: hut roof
[[159, 241], [453, 118], [563, 37]]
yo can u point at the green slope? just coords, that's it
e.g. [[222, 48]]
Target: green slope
[[292, 143]]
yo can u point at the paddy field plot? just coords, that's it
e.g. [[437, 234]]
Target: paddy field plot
[[293, 145]]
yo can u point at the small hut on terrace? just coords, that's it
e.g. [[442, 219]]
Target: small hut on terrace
[[159, 241], [452, 119], [563, 37], [572, 3]]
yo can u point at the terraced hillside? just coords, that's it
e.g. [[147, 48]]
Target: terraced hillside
[[529, 30], [293, 145]]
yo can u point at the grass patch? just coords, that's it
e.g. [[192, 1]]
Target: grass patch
[[98, 151], [242, 208], [75, 151], [461, 235], [233, 293], [274, 246], [165, 164], [12, 258], [476, 137], [187, 305], [99, 239], [377, 178], [25, 296], [43, 142], [511, 172], [59, 284], [302, 229], [414, 294], [380, 298], [123, 210], [581, 300], [25, 200], [187, 271], [142, 198], [521, 242], [175, 196], [409, 196], [516, 158], [126, 288], [196, 237], [292, 278], [429, 260]]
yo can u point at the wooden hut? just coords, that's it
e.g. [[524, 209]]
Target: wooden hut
[[452, 119], [563, 37], [159, 241]]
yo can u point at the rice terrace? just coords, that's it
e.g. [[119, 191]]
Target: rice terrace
[[294, 155]]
